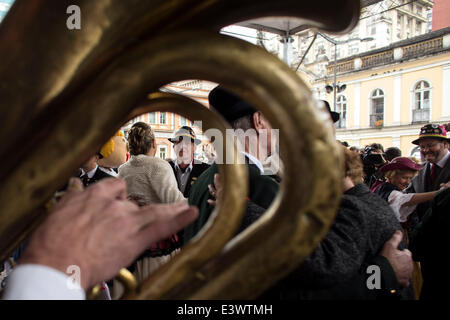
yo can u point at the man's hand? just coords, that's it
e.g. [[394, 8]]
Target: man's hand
[[215, 190], [444, 185], [400, 260], [100, 231]]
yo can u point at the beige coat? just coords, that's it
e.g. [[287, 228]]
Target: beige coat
[[150, 180]]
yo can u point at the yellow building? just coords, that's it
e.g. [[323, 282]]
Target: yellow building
[[391, 92]]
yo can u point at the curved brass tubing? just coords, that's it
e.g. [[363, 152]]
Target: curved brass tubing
[[228, 215], [311, 187], [47, 67], [125, 277], [50, 63]]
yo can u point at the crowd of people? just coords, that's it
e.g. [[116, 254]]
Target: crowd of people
[[127, 208]]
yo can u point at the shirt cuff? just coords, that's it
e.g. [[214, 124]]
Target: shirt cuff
[[37, 282]]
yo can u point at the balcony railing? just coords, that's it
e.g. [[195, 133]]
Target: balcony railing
[[382, 58], [421, 115], [341, 67], [376, 120], [387, 57], [422, 48]]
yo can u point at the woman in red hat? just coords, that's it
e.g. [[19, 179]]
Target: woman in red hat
[[399, 173]]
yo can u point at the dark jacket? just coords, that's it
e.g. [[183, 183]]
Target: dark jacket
[[385, 190], [420, 184], [427, 244], [337, 269], [262, 191], [98, 175], [197, 170]]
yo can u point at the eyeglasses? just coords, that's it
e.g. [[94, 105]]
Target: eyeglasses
[[184, 141], [428, 146]]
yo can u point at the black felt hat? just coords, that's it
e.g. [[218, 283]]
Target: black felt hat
[[230, 106]]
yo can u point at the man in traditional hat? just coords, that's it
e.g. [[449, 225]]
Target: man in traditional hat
[[433, 144], [262, 188], [185, 168]]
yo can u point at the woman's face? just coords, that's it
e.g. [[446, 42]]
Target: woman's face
[[402, 179]]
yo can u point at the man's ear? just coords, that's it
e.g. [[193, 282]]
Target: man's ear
[[258, 121]]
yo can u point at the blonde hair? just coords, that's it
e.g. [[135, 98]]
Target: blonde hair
[[393, 173]]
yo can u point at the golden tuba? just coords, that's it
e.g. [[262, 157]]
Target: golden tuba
[[64, 92]]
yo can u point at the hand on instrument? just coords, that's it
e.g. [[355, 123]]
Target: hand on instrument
[[215, 190], [100, 231]]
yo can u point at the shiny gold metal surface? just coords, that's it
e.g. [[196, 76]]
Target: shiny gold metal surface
[[224, 220], [306, 205], [125, 277], [65, 92]]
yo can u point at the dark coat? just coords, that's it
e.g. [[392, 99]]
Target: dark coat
[[385, 190], [420, 184], [337, 269], [427, 244], [197, 170], [98, 175]]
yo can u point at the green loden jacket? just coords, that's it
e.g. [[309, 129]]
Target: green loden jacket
[[262, 191]]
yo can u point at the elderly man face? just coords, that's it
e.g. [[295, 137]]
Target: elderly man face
[[433, 150], [184, 150]]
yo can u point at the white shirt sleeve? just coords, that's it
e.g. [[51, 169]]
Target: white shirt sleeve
[[37, 282], [397, 199]]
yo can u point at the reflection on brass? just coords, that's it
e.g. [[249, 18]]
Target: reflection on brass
[[65, 92], [227, 216], [124, 277]]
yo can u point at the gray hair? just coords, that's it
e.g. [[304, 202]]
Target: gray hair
[[245, 123]]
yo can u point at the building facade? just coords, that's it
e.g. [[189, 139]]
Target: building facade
[[391, 92], [386, 22], [441, 14], [165, 124]]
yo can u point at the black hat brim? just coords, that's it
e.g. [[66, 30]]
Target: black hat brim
[[416, 142], [335, 116], [173, 140]]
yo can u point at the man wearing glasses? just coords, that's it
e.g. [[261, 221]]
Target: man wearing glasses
[[185, 168], [433, 144]]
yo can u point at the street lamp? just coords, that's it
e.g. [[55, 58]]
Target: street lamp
[[336, 42]]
